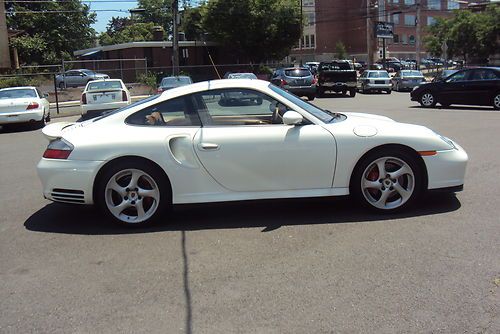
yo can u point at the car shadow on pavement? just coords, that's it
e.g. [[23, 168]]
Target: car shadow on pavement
[[266, 214], [478, 108], [16, 128]]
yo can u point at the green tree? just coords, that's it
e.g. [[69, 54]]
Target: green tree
[[340, 50], [254, 29], [192, 22], [159, 12], [117, 24], [52, 30], [136, 32], [466, 34]]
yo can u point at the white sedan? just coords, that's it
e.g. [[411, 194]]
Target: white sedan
[[103, 95], [23, 105], [185, 146]]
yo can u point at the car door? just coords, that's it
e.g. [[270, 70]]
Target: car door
[[481, 85], [454, 89], [246, 147]]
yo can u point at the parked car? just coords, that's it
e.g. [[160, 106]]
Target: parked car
[[23, 105], [174, 81], [104, 95], [407, 80], [477, 86], [297, 80], [443, 75], [336, 76], [199, 151], [374, 80], [312, 66], [75, 78]]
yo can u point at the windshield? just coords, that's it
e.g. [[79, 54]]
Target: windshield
[[381, 74], [102, 85], [242, 76], [321, 114], [116, 111], [176, 81], [17, 93]]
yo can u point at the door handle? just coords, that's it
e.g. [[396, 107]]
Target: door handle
[[208, 146]]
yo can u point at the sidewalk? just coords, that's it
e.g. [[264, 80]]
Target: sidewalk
[[72, 108]]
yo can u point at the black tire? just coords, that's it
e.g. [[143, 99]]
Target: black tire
[[496, 101], [311, 97], [352, 92], [427, 99], [62, 85], [397, 87], [389, 91], [363, 89], [321, 92], [386, 195], [344, 92], [149, 178]]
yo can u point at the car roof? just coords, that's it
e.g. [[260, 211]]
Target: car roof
[[106, 80], [176, 76], [21, 87]]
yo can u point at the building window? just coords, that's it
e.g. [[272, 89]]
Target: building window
[[430, 20], [307, 41], [409, 2], [395, 1], [453, 4], [404, 39], [409, 20], [396, 39], [395, 19], [434, 4], [313, 42], [311, 18], [303, 41], [411, 40]]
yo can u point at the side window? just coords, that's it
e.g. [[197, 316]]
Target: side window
[[173, 112], [459, 76], [483, 74], [238, 106]]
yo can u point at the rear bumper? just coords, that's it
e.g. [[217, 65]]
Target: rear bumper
[[21, 117], [302, 90], [337, 86], [408, 85], [378, 86], [68, 181], [86, 108]]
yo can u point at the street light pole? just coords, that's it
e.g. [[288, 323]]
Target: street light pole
[[368, 36], [175, 40]]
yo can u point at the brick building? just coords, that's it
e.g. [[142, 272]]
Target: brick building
[[330, 21]]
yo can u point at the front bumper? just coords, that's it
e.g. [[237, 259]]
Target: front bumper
[[447, 168], [68, 181], [21, 116]]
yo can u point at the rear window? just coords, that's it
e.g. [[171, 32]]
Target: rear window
[[381, 74], [334, 66], [175, 81], [297, 72], [102, 85], [242, 76], [17, 93]]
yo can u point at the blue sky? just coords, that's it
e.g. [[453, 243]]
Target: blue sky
[[111, 9]]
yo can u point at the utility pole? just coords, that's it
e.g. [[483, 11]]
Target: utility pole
[[417, 27], [175, 40], [369, 50], [4, 39]]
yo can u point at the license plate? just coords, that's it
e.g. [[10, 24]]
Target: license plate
[[379, 82], [104, 97]]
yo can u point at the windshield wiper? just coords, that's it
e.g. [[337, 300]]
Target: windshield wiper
[[334, 115]]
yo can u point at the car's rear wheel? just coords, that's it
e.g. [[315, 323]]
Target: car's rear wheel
[[311, 97], [496, 101], [387, 180], [389, 91], [62, 85], [133, 193], [352, 92], [427, 100]]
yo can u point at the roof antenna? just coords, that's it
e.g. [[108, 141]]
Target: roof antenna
[[210, 57]]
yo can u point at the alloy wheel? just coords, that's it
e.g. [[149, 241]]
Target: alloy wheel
[[496, 102], [132, 196], [388, 183], [427, 100]]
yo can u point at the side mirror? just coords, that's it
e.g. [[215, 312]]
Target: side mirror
[[292, 118]]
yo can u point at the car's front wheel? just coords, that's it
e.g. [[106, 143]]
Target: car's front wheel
[[133, 192], [427, 100], [387, 180]]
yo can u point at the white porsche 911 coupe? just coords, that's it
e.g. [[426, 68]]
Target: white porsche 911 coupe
[[193, 145]]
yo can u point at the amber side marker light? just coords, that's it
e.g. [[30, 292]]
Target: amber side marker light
[[427, 153]]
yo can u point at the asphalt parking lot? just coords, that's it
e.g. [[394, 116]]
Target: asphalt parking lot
[[281, 266]]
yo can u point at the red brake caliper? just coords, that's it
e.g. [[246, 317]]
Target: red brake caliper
[[373, 176]]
